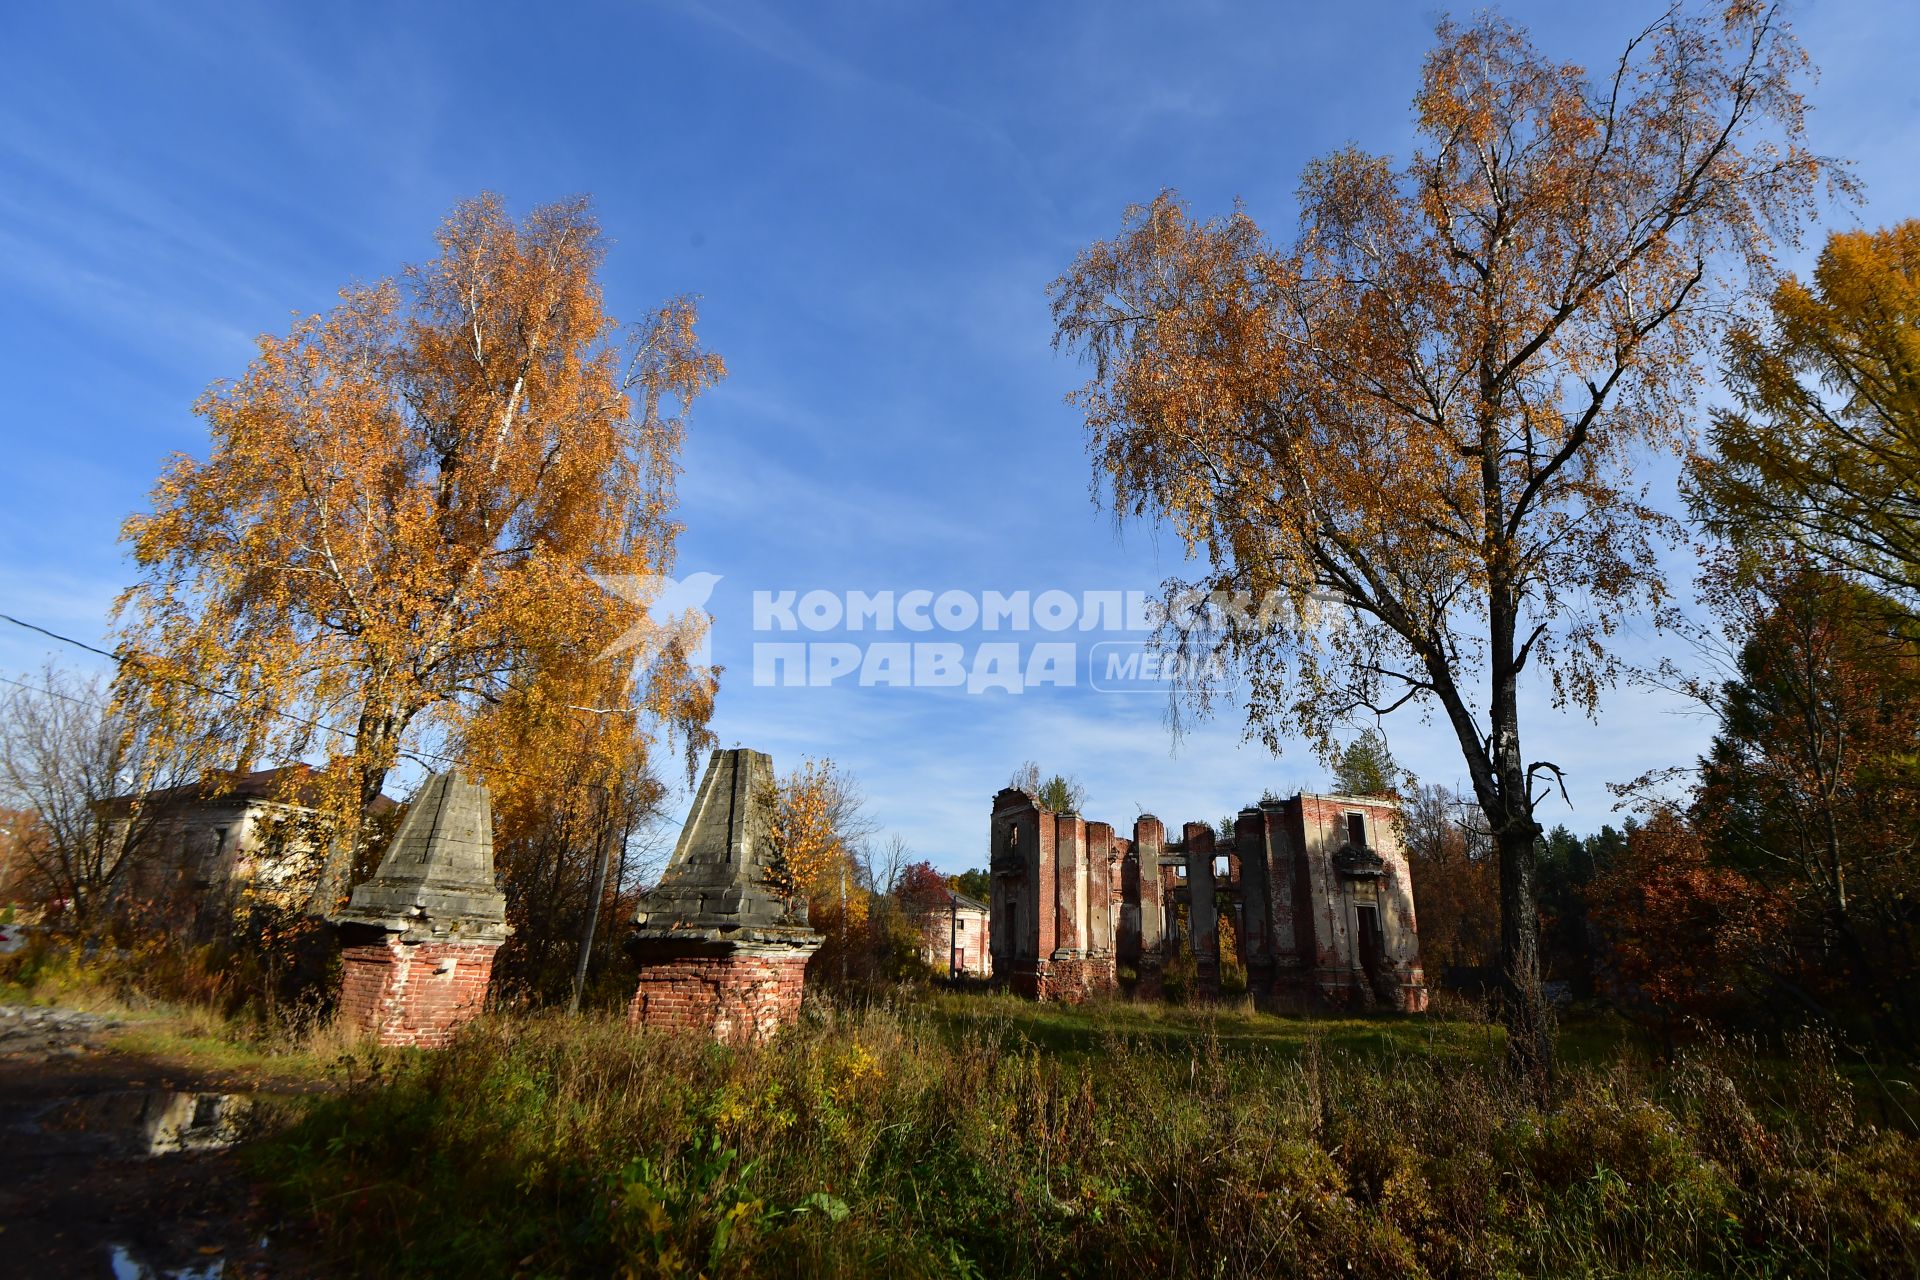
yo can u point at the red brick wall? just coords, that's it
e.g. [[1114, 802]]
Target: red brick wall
[[1097, 929], [1045, 887], [736, 996], [414, 993], [1069, 851], [1067, 980]]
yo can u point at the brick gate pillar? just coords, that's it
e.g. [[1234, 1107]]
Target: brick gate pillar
[[418, 939], [720, 952]]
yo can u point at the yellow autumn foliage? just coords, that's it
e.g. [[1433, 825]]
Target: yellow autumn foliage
[[392, 545]]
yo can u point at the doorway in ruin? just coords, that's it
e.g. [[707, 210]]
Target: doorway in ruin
[[1009, 869], [1367, 917]]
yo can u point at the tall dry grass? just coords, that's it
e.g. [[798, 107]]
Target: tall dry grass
[[886, 1142]]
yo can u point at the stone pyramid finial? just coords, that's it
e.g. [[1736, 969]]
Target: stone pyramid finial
[[715, 887], [437, 878]]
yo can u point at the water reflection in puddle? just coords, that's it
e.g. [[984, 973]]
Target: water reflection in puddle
[[159, 1121], [128, 1267]]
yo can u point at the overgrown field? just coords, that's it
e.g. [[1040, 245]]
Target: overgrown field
[[980, 1137]]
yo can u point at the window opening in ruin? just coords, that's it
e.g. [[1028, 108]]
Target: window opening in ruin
[[215, 859], [1221, 866], [1357, 830]]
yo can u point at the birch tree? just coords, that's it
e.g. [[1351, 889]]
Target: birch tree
[[396, 534], [1410, 434]]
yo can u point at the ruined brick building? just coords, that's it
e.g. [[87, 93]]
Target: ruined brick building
[[1316, 890]]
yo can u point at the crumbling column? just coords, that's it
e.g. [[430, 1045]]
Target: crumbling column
[[718, 947], [418, 939], [1070, 889], [1046, 896], [1052, 900], [1293, 946], [1074, 969], [1149, 837], [1100, 893], [1256, 910], [1099, 907], [1203, 923], [1022, 919], [1126, 903]]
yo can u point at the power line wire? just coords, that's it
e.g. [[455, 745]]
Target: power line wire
[[55, 635], [419, 755]]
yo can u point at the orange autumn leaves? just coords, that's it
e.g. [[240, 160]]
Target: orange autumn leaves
[[1412, 433], [1822, 445], [1685, 932], [1792, 871], [1426, 408], [390, 542]]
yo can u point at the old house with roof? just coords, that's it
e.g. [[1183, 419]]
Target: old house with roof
[[202, 845], [954, 937]]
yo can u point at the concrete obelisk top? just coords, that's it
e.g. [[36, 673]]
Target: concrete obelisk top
[[436, 881], [716, 887]]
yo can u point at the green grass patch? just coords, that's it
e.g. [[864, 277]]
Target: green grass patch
[[176, 1006], [1095, 1027], [191, 1045]]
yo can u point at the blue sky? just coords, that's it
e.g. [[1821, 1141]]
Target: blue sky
[[870, 198]]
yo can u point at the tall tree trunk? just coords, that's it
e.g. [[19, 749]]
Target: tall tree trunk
[[1529, 1019], [603, 855], [1517, 838], [375, 742]]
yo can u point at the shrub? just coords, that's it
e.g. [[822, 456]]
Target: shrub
[[273, 982]]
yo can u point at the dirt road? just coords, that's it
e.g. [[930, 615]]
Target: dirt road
[[123, 1166]]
